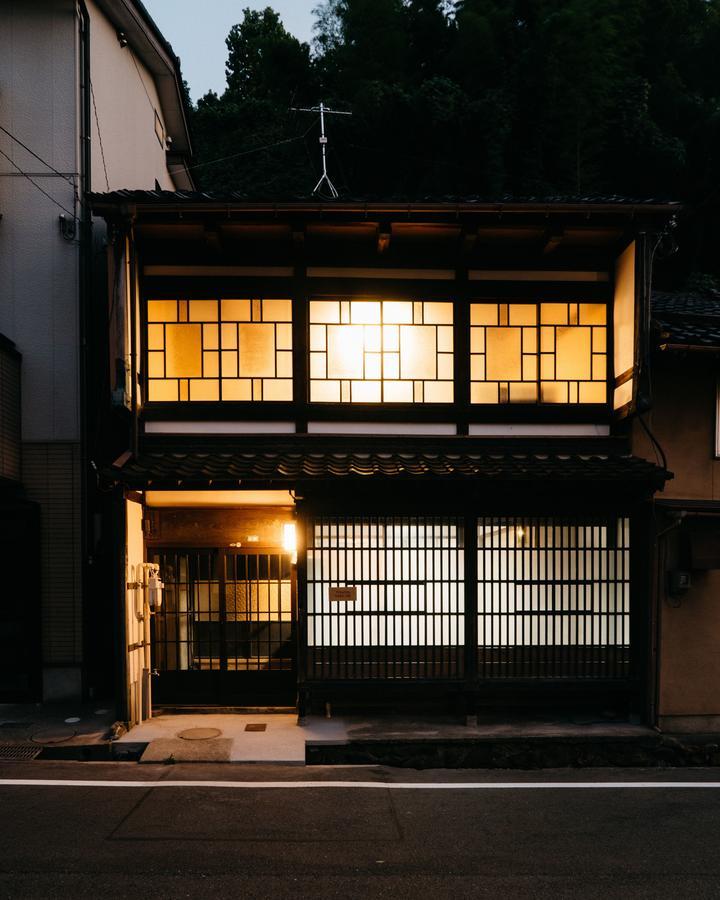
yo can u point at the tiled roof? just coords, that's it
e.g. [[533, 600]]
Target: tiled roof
[[163, 467], [162, 197], [687, 319]]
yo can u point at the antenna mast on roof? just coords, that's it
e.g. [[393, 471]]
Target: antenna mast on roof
[[323, 110]]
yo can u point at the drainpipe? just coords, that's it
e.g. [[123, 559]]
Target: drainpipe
[[85, 282], [133, 277]]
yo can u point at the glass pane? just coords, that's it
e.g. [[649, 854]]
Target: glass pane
[[504, 354], [183, 354], [417, 352], [438, 313], [237, 389], [235, 310], [257, 350], [522, 314], [277, 389], [203, 311], [554, 313], [277, 310], [345, 351], [592, 314], [322, 311], [397, 312], [484, 314], [573, 354], [364, 313], [204, 389], [162, 310]]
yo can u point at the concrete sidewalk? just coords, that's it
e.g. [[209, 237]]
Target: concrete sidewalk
[[84, 732], [62, 728], [403, 741], [235, 737]]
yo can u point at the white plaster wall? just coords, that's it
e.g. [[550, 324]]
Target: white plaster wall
[[38, 269], [126, 101]]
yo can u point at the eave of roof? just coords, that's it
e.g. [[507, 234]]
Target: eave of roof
[[687, 321], [196, 200], [194, 467]]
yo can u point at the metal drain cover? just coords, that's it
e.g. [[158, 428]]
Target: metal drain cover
[[56, 735], [199, 734], [19, 752], [256, 726]]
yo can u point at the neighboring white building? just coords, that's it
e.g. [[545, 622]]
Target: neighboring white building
[[90, 100]]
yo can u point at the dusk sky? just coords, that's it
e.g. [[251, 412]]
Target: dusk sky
[[198, 32]]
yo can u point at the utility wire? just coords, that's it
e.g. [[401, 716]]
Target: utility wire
[[142, 80], [35, 184], [211, 162], [97, 125], [38, 158]]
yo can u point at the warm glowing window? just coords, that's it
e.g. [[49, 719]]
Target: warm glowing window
[[538, 352], [381, 351], [219, 350]]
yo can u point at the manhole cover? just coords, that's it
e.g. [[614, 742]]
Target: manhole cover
[[256, 726], [199, 734], [53, 735], [18, 751]]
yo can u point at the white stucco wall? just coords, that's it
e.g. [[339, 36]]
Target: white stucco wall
[[39, 104], [126, 101], [38, 269]]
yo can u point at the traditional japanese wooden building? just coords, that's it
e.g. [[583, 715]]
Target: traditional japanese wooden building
[[380, 452]]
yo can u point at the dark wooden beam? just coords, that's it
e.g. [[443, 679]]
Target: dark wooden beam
[[552, 239]]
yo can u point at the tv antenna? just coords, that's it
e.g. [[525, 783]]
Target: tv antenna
[[324, 111]]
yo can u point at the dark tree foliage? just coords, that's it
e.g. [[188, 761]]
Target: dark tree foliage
[[478, 97]]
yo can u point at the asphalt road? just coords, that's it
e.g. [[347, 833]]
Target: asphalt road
[[233, 831]]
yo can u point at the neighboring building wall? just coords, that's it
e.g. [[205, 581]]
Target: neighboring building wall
[[683, 421], [39, 85], [40, 104], [39, 90], [9, 411], [126, 103], [51, 474]]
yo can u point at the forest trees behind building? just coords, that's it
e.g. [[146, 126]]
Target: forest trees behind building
[[481, 98]]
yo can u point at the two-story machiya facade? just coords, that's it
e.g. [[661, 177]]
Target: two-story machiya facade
[[380, 451]]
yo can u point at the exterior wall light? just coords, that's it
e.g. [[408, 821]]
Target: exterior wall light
[[289, 541]]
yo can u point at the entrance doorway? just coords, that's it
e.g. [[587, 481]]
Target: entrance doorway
[[225, 634]]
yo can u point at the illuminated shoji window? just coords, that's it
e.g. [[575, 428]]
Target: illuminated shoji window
[[381, 351], [219, 350], [538, 352]]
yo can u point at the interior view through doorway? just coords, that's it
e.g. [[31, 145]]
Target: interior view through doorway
[[225, 634]]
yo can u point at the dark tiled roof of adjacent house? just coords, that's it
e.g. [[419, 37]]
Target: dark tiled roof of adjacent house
[[687, 319], [195, 467]]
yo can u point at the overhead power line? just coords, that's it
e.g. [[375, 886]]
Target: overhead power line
[[36, 185], [97, 125], [291, 140], [37, 157]]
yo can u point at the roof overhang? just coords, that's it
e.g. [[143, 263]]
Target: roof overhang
[[179, 201], [302, 461]]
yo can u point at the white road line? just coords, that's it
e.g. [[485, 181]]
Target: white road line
[[372, 785]]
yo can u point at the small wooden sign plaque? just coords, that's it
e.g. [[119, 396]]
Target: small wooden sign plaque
[[343, 594]]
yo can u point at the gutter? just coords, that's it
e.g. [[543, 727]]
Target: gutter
[[689, 348]]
